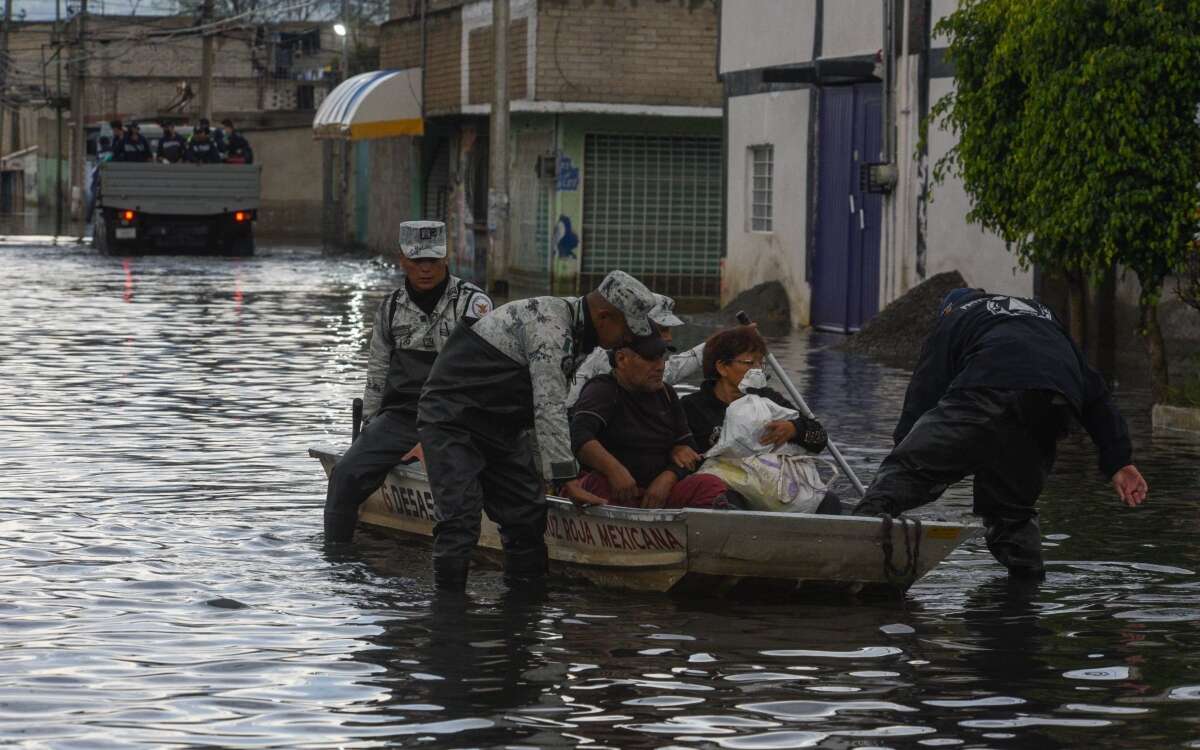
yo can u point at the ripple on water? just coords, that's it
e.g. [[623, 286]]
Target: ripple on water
[[1099, 673], [1165, 614], [799, 710], [866, 652]]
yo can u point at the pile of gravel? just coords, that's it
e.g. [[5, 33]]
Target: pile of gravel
[[895, 335]]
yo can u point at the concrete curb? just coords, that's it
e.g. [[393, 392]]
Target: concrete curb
[[1176, 418]]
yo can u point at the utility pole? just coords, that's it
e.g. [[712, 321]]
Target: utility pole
[[78, 104], [4, 68], [58, 109], [497, 261], [344, 205], [206, 62]]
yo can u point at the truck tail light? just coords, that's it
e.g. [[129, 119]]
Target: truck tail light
[[240, 216], [127, 215]]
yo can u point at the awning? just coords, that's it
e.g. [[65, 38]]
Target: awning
[[379, 104]]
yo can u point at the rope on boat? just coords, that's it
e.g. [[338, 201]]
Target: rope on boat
[[912, 548]]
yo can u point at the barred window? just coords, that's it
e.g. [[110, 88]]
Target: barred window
[[761, 189]]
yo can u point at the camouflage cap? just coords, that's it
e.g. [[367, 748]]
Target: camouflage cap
[[664, 312], [423, 239], [632, 298]]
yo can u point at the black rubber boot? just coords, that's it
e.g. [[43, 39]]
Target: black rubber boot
[[339, 525], [1017, 545], [831, 505], [871, 506], [450, 573], [525, 567]]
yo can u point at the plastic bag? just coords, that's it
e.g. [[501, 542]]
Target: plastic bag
[[742, 430], [774, 481]]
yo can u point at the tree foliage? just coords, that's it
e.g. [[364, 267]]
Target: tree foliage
[[1077, 129]]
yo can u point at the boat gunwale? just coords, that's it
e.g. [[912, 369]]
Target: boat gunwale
[[673, 515]]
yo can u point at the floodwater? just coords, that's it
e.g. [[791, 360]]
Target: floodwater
[[163, 582]]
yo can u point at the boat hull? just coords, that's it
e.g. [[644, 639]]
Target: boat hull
[[712, 551]]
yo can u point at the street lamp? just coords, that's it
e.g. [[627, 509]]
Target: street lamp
[[339, 29]]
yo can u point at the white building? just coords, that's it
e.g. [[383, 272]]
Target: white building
[[813, 89]]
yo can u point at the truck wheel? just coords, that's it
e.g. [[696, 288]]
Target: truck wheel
[[241, 247]]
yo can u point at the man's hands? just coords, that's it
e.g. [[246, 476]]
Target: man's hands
[[623, 487], [574, 491], [417, 452], [685, 457], [656, 494], [1131, 487], [777, 433]]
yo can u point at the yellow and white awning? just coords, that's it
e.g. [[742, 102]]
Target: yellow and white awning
[[379, 104]]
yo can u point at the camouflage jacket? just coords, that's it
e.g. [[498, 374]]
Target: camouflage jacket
[[546, 335], [680, 367], [400, 324]]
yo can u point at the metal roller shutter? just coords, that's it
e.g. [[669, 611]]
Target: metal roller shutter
[[652, 207]]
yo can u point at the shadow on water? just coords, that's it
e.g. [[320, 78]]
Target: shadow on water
[[165, 585]]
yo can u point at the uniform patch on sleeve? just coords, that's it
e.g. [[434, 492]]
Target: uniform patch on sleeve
[[480, 306]]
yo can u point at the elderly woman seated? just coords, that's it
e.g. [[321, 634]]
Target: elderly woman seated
[[630, 432], [732, 369]]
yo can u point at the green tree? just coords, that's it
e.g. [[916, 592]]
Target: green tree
[[1078, 139]]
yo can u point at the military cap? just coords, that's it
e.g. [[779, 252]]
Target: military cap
[[632, 298], [653, 346], [423, 239], [664, 312]]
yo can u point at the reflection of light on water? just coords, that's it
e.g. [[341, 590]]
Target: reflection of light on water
[[128, 266], [1099, 673]]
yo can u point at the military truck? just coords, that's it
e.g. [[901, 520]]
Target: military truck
[[177, 208]]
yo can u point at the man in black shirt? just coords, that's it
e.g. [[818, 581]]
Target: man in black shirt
[[996, 382], [171, 146], [237, 148], [133, 147], [628, 426]]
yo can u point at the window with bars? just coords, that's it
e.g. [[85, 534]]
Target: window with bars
[[762, 188]]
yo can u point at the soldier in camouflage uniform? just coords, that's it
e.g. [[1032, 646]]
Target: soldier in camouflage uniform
[[494, 381], [680, 366], [412, 325]]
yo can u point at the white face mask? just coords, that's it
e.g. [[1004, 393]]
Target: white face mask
[[755, 378]]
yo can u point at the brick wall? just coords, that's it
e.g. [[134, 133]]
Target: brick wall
[[628, 52], [400, 47], [480, 62]]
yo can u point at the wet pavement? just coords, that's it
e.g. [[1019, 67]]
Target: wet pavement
[[163, 581]]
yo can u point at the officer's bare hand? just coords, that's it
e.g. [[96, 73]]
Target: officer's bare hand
[[777, 433], [685, 458], [1131, 487], [417, 453], [656, 494], [574, 491], [623, 487]]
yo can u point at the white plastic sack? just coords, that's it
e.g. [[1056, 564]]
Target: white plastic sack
[[745, 420], [774, 481]]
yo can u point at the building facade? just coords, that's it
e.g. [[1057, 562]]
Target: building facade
[[814, 91], [149, 68], [615, 140]]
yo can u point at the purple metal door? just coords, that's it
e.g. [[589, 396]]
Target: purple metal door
[[845, 283]]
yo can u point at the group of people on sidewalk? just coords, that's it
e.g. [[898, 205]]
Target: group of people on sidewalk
[[574, 396]]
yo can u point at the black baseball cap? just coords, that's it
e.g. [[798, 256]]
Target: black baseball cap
[[650, 347]]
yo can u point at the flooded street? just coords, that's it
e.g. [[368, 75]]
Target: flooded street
[[163, 581]]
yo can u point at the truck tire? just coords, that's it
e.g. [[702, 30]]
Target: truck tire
[[240, 245], [103, 238]]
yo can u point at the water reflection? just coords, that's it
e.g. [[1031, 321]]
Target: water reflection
[[164, 584]]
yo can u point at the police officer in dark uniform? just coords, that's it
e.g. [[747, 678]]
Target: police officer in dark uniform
[[171, 146], [237, 148], [412, 325], [493, 382], [996, 383], [133, 147], [201, 149]]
